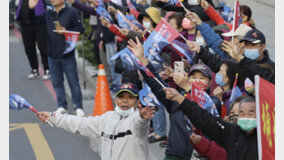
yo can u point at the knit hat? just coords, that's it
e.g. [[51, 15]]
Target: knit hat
[[154, 14]]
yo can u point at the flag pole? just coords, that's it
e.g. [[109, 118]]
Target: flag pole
[[183, 6], [34, 110], [174, 29]]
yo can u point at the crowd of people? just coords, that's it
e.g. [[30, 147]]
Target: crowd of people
[[219, 53]]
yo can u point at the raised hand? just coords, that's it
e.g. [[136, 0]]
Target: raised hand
[[32, 3], [169, 71], [193, 17], [232, 50], [147, 112], [204, 4], [193, 46], [218, 92], [111, 9], [43, 116], [182, 81], [172, 94], [137, 49]]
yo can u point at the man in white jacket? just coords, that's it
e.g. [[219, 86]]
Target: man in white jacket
[[123, 132]]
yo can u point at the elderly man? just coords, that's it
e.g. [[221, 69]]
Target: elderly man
[[123, 132], [240, 141]]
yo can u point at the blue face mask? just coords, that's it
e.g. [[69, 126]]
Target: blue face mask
[[251, 53], [219, 80]]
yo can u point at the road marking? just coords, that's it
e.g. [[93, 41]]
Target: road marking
[[40, 146]]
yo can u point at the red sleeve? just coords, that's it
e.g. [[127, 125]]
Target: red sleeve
[[215, 16], [115, 30], [224, 111], [210, 150]]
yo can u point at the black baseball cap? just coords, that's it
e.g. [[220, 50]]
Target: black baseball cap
[[202, 68], [128, 87], [254, 36]]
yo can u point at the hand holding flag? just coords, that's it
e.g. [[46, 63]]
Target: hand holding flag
[[16, 102], [138, 51]]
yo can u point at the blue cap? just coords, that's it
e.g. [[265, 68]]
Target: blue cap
[[254, 36], [128, 87]]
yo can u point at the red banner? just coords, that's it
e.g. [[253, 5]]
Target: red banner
[[237, 15], [132, 9], [265, 110], [166, 30]]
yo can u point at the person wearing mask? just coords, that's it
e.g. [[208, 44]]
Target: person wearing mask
[[255, 59], [240, 141], [33, 32], [225, 74], [60, 63], [123, 132], [179, 145]]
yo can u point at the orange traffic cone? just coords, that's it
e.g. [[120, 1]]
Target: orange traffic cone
[[103, 101]]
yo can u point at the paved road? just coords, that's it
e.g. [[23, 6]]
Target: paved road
[[28, 138]]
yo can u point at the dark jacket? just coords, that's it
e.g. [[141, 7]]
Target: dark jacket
[[68, 18], [27, 16], [249, 67], [178, 138], [238, 143], [252, 68], [193, 8]]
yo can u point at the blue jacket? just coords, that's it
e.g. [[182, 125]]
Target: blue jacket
[[68, 18], [211, 38], [178, 138]]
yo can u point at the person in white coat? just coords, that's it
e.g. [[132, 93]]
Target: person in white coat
[[123, 131]]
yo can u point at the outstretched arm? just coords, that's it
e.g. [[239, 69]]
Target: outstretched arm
[[86, 126], [214, 127]]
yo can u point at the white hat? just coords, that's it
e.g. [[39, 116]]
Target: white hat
[[241, 31]]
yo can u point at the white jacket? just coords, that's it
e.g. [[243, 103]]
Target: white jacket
[[123, 138]]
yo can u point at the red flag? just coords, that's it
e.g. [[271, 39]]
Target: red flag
[[132, 9], [237, 15], [265, 113], [202, 98], [166, 30]]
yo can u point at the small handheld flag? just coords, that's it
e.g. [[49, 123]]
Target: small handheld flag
[[16, 102]]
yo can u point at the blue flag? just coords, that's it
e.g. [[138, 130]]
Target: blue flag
[[236, 92], [183, 51], [152, 47], [16, 102], [123, 22], [134, 21], [147, 97], [103, 12]]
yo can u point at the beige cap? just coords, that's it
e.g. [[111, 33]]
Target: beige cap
[[241, 31]]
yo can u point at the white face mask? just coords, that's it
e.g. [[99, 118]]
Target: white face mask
[[192, 2], [200, 41], [147, 25], [124, 113]]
